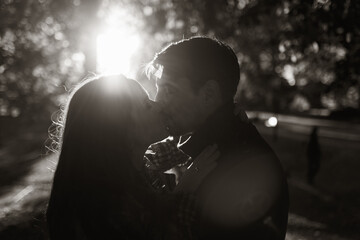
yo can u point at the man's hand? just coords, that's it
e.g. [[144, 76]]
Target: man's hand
[[198, 170]]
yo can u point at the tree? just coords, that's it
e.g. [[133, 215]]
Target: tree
[[38, 57], [287, 48]]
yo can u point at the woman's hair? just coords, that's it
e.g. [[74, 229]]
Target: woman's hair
[[94, 166]]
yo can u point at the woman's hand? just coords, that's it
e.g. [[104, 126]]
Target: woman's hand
[[198, 170]]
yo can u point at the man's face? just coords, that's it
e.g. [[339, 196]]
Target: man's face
[[181, 105]]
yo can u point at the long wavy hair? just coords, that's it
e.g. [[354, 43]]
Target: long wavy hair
[[94, 168]]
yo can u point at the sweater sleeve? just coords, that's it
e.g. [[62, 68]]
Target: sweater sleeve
[[164, 155]]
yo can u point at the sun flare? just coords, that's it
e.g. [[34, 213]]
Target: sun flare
[[115, 49]]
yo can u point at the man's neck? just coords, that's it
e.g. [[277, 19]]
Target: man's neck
[[216, 128]]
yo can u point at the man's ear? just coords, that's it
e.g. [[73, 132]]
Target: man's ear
[[211, 94]]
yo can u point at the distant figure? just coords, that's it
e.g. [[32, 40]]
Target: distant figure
[[313, 156]]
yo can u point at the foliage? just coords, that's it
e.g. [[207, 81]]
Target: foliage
[[288, 49], [294, 55], [40, 55]]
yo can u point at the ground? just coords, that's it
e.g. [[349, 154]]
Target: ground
[[328, 210]]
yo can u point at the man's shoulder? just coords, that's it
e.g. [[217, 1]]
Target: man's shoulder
[[242, 193], [251, 152], [252, 179], [253, 163]]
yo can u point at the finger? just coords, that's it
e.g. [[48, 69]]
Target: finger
[[206, 153], [205, 168], [208, 159], [210, 166], [213, 157], [210, 169], [209, 162]]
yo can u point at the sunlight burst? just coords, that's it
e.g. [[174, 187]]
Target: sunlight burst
[[115, 49]]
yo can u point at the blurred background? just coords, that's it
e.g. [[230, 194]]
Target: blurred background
[[300, 85]]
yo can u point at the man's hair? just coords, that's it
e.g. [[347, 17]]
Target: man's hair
[[200, 59]]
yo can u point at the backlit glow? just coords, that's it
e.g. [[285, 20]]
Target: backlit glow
[[115, 49]]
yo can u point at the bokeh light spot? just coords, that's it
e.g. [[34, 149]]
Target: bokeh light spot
[[271, 122]]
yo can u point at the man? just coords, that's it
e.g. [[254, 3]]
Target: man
[[245, 196]]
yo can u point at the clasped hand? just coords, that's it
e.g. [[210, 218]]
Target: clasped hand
[[199, 169]]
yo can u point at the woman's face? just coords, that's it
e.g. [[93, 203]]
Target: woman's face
[[149, 122]]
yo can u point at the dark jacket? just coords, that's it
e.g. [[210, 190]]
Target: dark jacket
[[247, 164]]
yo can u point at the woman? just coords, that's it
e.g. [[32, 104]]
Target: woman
[[99, 189]]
